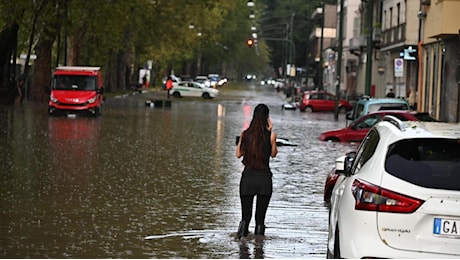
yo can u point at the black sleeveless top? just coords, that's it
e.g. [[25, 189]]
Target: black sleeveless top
[[258, 181]]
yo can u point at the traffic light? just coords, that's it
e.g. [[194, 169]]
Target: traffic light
[[250, 42]]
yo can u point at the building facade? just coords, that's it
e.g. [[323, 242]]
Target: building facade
[[439, 59], [415, 48]]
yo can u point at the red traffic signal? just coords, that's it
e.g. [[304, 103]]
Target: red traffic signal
[[250, 42]]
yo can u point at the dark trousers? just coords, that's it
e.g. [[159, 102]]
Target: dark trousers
[[261, 208]]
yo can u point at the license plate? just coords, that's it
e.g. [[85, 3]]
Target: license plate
[[446, 227]]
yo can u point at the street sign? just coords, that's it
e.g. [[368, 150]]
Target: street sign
[[409, 54], [399, 68]]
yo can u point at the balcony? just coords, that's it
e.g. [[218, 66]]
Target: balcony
[[394, 35]]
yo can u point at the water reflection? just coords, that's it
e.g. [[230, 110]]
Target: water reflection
[[253, 248], [142, 182]]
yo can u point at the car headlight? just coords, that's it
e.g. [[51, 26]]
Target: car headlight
[[53, 99], [92, 100]]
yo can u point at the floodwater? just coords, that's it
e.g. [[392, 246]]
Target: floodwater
[[162, 182]]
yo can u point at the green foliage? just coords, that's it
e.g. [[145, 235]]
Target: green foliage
[[140, 30]]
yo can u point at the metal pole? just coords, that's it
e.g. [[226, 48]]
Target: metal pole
[[292, 58], [370, 13], [320, 81], [339, 62]]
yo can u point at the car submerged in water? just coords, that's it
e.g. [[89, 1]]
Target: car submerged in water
[[357, 130], [76, 89]]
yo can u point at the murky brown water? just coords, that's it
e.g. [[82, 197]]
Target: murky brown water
[[143, 182]]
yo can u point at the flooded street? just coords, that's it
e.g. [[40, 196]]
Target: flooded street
[[142, 182]]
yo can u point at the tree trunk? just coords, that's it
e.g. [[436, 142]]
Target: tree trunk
[[42, 70], [8, 43]]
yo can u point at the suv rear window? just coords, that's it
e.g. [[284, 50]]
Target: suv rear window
[[389, 106], [431, 163]]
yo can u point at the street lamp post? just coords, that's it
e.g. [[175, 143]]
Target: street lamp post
[[339, 62], [370, 17], [320, 68]]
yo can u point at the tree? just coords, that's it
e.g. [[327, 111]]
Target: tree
[[121, 36]]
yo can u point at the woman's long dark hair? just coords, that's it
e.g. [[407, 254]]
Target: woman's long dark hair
[[253, 138]]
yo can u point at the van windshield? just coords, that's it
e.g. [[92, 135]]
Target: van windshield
[[74, 82]]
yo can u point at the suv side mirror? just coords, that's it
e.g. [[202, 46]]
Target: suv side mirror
[[349, 116], [349, 160], [100, 90], [340, 165]]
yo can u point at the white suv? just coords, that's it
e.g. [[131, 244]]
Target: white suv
[[399, 196]]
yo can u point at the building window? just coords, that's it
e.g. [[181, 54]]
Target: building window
[[391, 17]]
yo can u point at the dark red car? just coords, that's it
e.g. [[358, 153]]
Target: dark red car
[[322, 101], [331, 179], [357, 130]]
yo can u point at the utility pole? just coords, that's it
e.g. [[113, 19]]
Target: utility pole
[[320, 68], [370, 18], [339, 62]]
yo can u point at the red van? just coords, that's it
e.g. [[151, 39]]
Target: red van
[[76, 89]]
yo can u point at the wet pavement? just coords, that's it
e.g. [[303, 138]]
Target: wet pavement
[[161, 182]]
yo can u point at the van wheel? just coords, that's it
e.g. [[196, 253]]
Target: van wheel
[[98, 112], [342, 110], [309, 109], [176, 94]]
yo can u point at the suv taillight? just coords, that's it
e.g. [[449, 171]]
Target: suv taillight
[[374, 198]]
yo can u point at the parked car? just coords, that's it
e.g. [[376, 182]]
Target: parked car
[[318, 100], [366, 105], [214, 80], [203, 80], [357, 130], [399, 196], [331, 178], [192, 89]]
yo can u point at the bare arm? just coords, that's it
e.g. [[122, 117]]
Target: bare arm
[[274, 151], [239, 153]]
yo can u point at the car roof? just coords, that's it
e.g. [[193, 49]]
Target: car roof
[[412, 112], [398, 130], [380, 100], [189, 81], [317, 91]]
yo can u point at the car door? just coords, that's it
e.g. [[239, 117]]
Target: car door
[[316, 101], [328, 102], [197, 90], [362, 126]]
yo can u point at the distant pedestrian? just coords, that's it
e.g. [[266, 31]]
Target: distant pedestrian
[[19, 97], [256, 145], [391, 94], [144, 81], [412, 98], [169, 85]]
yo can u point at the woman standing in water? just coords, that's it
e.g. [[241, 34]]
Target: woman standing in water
[[256, 145]]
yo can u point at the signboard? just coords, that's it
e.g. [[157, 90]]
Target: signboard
[[399, 68], [409, 54]]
